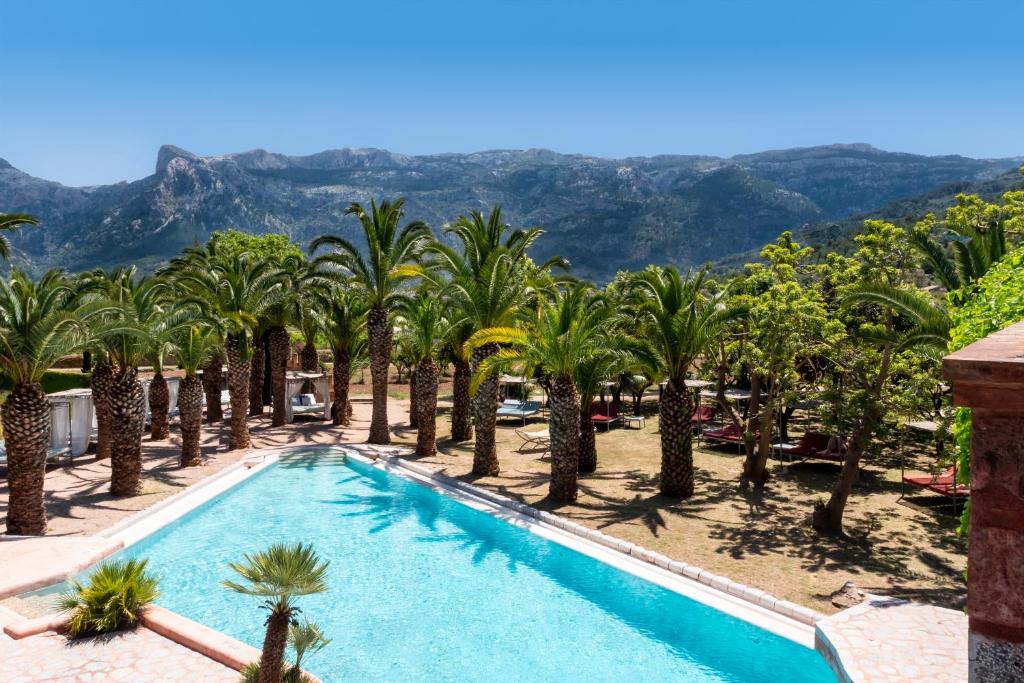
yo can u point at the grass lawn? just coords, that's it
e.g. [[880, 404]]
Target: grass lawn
[[759, 538]]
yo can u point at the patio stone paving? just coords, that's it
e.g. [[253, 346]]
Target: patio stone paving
[[884, 640], [138, 656]]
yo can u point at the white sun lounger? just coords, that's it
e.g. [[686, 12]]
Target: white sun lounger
[[536, 440]]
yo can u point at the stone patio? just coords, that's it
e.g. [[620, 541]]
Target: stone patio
[[884, 640]]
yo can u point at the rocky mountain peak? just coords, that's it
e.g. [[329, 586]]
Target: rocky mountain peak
[[168, 153]]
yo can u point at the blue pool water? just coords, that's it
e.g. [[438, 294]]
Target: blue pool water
[[423, 588]]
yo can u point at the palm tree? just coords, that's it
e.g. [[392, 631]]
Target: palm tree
[[681, 321], [213, 381], [388, 265], [257, 367], [9, 222], [100, 383], [124, 310], [193, 345], [425, 329], [489, 286], [342, 322], [279, 575], [236, 291], [567, 332], [37, 328]]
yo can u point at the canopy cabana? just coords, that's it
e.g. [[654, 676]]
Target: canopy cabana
[[294, 382]]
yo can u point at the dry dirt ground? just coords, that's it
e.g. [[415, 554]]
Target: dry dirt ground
[[759, 538]]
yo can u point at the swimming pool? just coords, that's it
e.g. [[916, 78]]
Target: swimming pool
[[423, 587]]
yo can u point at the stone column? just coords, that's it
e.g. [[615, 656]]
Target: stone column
[[988, 377]]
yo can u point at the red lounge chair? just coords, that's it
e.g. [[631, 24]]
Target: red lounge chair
[[702, 415], [729, 433], [944, 484], [815, 445], [604, 414]]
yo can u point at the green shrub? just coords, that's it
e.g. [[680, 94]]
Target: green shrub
[[113, 598]]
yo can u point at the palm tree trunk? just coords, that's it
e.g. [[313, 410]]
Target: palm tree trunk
[[102, 378], [340, 374], [676, 440], [190, 408], [159, 406], [26, 421], [426, 403], [274, 642], [462, 425], [309, 361], [414, 413], [256, 364], [378, 329], [128, 418], [280, 350], [565, 440], [588, 442], [213, 380], [238, 386], [485, 417]]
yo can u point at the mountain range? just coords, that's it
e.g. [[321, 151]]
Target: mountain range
[[605, 215]]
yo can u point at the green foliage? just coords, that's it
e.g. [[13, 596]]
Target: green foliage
[[38, 325], [994, 302], [280, 573], [275, 247], [114, 597], [9, 222]]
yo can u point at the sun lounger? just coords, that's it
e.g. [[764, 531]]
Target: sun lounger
[[604, 414], [535, 440], [518, 409], [814, 445], [703, 415], [306, 404], [944, 484]]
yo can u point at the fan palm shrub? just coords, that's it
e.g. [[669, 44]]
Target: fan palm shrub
[[37, 327], [681, 320], [193, 345], [114, 597], [489, 285], [9, 222], [279, 575], [303, 637], [389, 263], [567, 332]]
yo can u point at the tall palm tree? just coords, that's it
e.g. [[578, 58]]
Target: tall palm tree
[[100, 382], [279, 575], [213, 382], [193, 345], [489, 285], [9, 222], [391, 252], [681, 321], [123, 310], [425, 328], [257, 367], [236, 290], [342, 322], [567, 331], [37, 328]]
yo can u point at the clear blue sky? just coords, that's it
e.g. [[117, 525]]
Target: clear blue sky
[[91, 89]]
